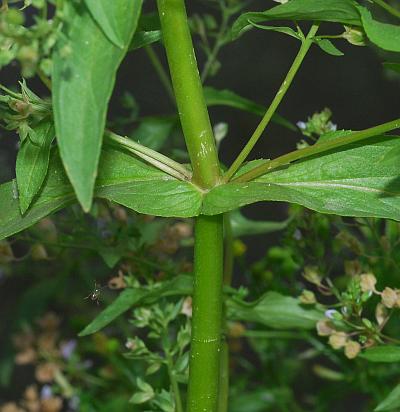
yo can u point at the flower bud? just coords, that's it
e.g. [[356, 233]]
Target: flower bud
[[38, 252], [389, 297], [367, 282], [239, 248], [352, 349], [311, 274], [354, 36], [187, 307], [307, 297], [380, 313], [338, 340], [236, 329], [324, 328]]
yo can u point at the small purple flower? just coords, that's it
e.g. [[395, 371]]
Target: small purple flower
[[68, 348], [301, 125], [330, 313], [46, 392]]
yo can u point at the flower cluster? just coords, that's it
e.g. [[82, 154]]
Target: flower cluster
[[344, 323], [29, 44]]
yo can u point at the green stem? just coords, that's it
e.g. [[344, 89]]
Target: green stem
[[156, 159], [208, 251], [204, 369], [388, 8], [306, 44], [355, 137], [188, 91], [162, 74], [174, 384]]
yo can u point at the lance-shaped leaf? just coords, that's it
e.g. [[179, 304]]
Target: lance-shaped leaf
[[384, 353], [386, 36], [354, 180], [181, 285], [215, 97], [391, 402], [242, 226], [275, 311], [338, 11], [33, 162], [85, 66], [148, 31], [122, 179]]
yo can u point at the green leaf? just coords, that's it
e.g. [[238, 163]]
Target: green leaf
[[33, 162], [85, 66], [386, 36], [107, 14], [284, 30], [386, 353], [141, 397], [135, 184], [391, 402], [392, 66], [55, 194], [275, 311], [148, 32], [154, 131], [338, 11], [122, 179], [180, 285], [242, 226], [333, 182], [228, 98], [328, 47], [144, 38]]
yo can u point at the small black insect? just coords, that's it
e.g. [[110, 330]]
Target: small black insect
[[96, 292]]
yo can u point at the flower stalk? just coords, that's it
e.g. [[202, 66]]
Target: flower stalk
[[305, 46]]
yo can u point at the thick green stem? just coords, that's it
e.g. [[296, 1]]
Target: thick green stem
[[388, 8], [188, 91], [287, 158], [306, 44], [204, 372], [208, 250]]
